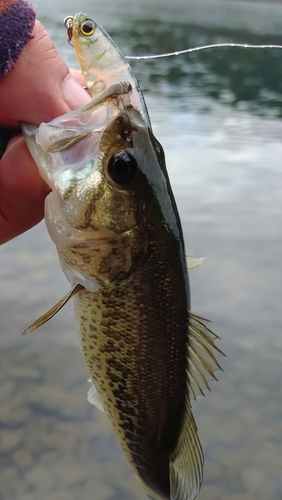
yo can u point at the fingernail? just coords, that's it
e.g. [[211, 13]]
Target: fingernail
[[74, 95]]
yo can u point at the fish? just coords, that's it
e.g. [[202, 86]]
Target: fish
[[114, 220]]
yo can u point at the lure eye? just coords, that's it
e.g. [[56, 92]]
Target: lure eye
[[87, 28], [122, 168]]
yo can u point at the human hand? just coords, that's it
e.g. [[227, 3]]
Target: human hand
[[39, 88]]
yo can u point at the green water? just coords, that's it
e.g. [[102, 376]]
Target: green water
[[218, 116]]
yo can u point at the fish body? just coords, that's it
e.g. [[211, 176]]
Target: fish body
[[114, 220]]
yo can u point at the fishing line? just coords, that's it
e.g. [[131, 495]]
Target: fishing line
[[204, 47]]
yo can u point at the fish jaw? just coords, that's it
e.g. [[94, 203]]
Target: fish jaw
[[102, 62]]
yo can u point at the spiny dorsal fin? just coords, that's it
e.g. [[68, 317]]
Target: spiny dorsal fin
[[43, 319], [203, 355], [186, 463], [193, 262]]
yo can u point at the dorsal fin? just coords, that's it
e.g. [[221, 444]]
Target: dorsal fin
[[186, 462]]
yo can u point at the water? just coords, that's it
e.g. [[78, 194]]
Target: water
[[218, 116]]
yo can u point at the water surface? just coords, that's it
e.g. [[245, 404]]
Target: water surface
[[218, 116]]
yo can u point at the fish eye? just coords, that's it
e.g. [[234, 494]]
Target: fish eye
[[87, 28], [122, 168]]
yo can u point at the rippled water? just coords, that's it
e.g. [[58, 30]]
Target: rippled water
[[218, 116]]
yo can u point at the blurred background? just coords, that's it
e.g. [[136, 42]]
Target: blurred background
[[218, 115]]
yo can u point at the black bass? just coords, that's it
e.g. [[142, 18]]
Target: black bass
[[113, 218]]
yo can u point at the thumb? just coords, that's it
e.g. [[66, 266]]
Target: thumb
[[40, 86]]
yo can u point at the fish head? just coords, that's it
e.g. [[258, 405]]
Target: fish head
[[110, 190]]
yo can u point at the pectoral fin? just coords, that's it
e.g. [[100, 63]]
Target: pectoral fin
[[43, 319], [193, 262]]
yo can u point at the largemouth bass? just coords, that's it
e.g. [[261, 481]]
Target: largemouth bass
[[114, 220]]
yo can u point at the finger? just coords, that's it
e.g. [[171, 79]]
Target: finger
[[79, 78], [6, 121], [40, 86], [22, 192]]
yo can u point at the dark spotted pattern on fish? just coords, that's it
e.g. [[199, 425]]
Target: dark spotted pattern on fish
[[138, 360]]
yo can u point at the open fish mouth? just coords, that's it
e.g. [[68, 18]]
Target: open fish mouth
[[87, 122]]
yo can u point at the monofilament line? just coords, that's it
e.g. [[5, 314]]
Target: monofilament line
[[204, 47]]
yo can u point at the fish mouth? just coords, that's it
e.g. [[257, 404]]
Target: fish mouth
[[62, 147]]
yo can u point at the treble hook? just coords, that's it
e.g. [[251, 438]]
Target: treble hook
[[68, 24]]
